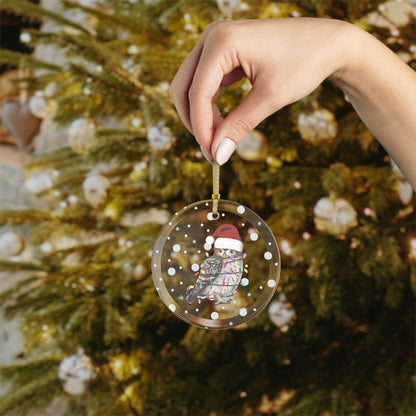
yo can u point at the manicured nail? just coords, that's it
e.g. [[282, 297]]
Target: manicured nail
[[225, 150], [207, 156]]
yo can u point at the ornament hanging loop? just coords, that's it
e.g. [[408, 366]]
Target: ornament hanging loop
[[215, 190]]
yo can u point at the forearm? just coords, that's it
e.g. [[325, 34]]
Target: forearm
[[382, 89]]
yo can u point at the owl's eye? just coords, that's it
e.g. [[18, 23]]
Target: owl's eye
[[220, 251], [231, 252]]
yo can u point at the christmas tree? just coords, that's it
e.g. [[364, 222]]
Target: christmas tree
[[338, 337]]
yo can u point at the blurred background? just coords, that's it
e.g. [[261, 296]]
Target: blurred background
[[94, 161]]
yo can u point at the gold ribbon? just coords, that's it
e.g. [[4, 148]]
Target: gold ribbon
[[215, 188]]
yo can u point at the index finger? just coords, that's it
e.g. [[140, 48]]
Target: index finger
[[179, 87], [203, 92]]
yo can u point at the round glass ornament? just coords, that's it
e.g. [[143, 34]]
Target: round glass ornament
[[219, 270]]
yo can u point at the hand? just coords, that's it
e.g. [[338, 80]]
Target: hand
[[284, 59]]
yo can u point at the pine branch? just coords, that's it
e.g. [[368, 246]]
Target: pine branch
[[16, 59], [136, 23], [36, 12], [23, 216], [39, 383]]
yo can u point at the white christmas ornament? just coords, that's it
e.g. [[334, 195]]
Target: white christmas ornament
[[253, 147], [81, 135], [228, 7], [42, 107], [334, 216], [11, 244], [159, 137], [38, 183], [201, 269], [95, 189], [76, 371], [318, 127], [140, 271], [281, 312]]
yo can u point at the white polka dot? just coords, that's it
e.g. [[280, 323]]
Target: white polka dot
[[195, 267], [243, 312], [268, 255], [271, 283], [171, 271], [210, 216], [214, 315], [230, 323], [254, 236], [207, 247], [210, 239], [241, 209], [244, 281], [176, 248], [172, 307]]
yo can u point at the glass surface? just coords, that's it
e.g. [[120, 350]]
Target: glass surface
[[216, 271]]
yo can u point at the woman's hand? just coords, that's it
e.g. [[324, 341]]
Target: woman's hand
[[285, 60]]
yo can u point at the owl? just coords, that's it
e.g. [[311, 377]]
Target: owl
[[220, 274]]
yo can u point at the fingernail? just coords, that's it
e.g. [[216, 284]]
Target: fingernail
[[207, 156], [225, 150]]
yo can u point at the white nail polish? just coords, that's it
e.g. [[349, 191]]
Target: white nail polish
[[225, 150]]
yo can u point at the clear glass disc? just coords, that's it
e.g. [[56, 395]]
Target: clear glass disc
[[216, 271]]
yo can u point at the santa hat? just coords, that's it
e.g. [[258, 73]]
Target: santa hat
[[227, 236]]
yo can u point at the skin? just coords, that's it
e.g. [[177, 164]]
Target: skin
[[285, 60]]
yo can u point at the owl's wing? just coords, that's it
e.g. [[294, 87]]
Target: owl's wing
[[208, 271]]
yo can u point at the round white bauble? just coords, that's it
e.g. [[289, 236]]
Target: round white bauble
[[253, 147], [334, 216], [74, 386], [38, 183], [140, 271], [42, 107], [317, 127], [228, 7], [281, 312], [76, 370], [11, 244], [160, 137], [95, 189], [81, 135]]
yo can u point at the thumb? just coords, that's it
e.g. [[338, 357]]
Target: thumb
[[244, 118]]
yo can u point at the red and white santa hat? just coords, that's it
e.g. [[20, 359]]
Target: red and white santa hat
[[226, 236]]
